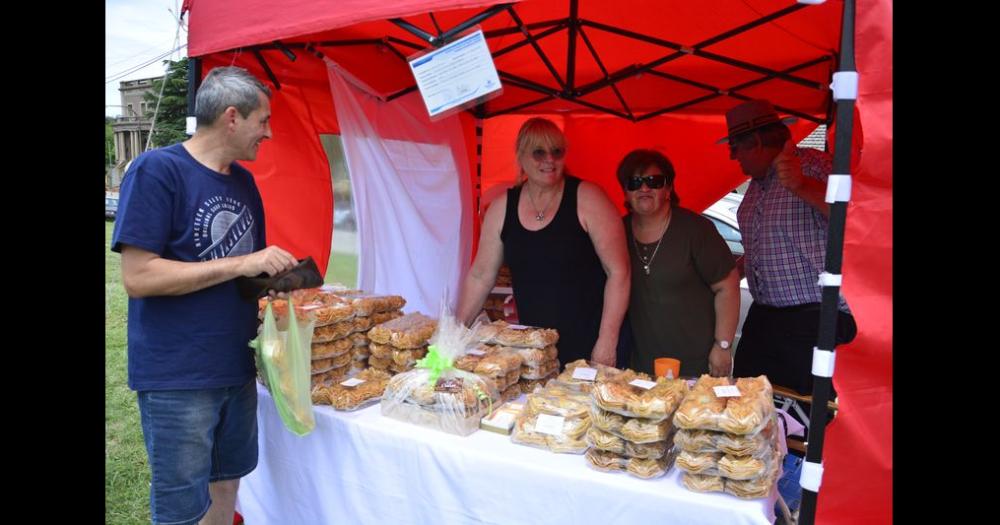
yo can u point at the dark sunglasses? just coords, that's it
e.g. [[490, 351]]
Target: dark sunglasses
[[654, 182], [556, 153], [740, 142]]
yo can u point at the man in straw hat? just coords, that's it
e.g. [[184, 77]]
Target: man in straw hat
[[783, 220]]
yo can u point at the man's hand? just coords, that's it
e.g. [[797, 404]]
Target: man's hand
[[720, 362], [271, 260], [788, 167], [603, 353]]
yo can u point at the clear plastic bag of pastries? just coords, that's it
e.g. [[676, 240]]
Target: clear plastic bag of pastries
[[648, 468], [639, 430], [331, 348], [605, 461], [604, 373], [557, 421], [540, 370], [367, 304], [354, 395], [619, 394], [653, 450], [606, 420], [530, 385], [314, 304], [702, 483], [330, 376], [435, 394], [606, 441], [322, 365], [536, 357], [697, 441], [705, 464], [409, 331], [501, 333], [745, 414]]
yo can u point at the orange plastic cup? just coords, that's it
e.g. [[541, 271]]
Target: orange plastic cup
[[667, 367]]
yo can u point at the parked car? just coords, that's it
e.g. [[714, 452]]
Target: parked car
[[723, 215], [110, 205]]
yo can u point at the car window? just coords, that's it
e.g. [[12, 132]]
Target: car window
[[731, 235]]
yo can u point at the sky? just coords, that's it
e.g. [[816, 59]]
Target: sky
[[136, 33]]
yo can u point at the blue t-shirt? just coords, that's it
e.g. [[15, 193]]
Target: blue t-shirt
[[179, 209]]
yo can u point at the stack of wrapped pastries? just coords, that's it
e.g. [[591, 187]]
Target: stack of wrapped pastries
[[729, 444], [453, 403], [341, 319], [396, 345], [632, 428], [568, 420], [534, 349]]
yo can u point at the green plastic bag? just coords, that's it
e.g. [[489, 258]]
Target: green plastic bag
[[283, 360]]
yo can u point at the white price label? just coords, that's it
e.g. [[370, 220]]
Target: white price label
[[475, 351], [352, 382], [727, 391], [552, 425], [518, 327], [585, 373], [642, 383], [501, 419]]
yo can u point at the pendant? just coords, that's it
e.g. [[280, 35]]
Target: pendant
[[646, 267], [539, 217]]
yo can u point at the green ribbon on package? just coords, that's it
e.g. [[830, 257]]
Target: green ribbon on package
[[435, 363]]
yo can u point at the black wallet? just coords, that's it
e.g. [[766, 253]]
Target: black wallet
[[302, 275]]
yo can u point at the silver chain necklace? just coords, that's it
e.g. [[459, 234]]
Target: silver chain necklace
[[647, 262], [540, 215]]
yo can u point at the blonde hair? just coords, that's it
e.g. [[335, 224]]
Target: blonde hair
[[537, 132]]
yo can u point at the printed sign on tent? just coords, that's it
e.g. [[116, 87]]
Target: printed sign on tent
[[456, 76]]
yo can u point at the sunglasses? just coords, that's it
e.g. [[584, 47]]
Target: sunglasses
[[540, 153], [738, 142], [654, 182]]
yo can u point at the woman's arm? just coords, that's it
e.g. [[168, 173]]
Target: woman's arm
[[727, 313], [483, 274]]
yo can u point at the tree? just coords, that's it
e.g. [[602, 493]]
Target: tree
[[171, 117], [109, 142]]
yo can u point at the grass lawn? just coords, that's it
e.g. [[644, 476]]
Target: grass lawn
[[126, 472]]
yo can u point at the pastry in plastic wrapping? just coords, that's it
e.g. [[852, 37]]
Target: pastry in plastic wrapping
[[343, 397], [360, 353], [467, 362], [328, 377], [366, 304], [511, 393], [330, 349], [310, 304], [381, 351], [700, 483], [408, 357], [659, 402], [604, 373], [645, 430], [605, 440], [749, 412], [319, 395], [501, 333], [699, 463], [454, 403], [701, 408], [362, 324], [654, 450], [750, 444], [754, 488], [575, 407], [647, 468], [382, 363], [606, 420], [535, 357], [697, 441], [499, 364], [383, 317], [409, 331], [543, 369], [359, 339], [566, 444], [331, 332], [513, 376], [745, 467], [321, 365], [568, 434], [397, 368], [605, 461], [529, 385]]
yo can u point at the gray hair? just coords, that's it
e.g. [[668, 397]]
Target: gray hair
[[224, 87]]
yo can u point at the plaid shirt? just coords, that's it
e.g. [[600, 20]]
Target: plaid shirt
[[784, 238]]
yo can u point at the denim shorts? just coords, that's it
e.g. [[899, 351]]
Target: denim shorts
[[193, 438]]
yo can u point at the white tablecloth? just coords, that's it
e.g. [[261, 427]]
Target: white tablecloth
[[361, 467]]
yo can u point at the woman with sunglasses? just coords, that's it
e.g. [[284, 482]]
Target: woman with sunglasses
[[563, 241], [685, 297]]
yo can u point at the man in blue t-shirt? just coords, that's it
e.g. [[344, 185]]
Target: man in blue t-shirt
[[190, 220]]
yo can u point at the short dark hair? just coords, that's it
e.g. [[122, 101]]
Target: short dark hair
[[224, 87], [637, 161]]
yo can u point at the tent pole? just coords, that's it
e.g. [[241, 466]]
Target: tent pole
[[267, 68], [604, 71], [574, 24], [194, 81], [823, 355]]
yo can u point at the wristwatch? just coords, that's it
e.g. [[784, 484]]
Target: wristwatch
[[723, 344]]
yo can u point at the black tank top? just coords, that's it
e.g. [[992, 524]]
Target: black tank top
[[556, 276]]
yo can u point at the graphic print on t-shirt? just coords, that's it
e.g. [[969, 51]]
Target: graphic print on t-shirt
[[223, 227]]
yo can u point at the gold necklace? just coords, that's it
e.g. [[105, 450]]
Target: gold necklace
[[647, 262], [540, 215]]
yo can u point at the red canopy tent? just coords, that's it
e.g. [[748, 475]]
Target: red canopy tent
[[616, 76]]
